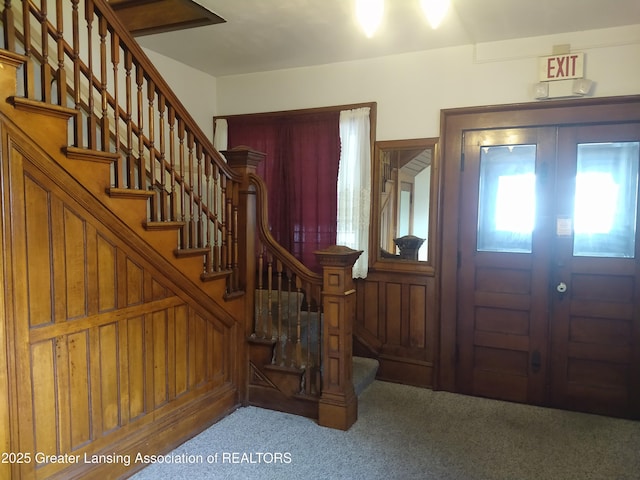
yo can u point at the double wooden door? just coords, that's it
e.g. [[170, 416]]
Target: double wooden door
[[549, 276]]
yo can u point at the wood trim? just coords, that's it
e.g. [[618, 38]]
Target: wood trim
[[146, 17], [7, 397], [116, 225], [453, 124], [380, 264], [301, 111], [135, 401], [373, 116]]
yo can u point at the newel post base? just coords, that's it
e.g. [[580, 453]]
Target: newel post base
[[338, 405]]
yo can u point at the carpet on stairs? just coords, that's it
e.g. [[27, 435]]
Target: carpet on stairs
[[364, 373]]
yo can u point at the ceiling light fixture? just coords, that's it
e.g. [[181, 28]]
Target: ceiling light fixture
[[369, 14], [435, 10]]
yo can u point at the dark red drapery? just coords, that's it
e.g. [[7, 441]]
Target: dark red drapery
[[300, 171]]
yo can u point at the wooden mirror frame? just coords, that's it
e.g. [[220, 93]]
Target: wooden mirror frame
[[377, 262]]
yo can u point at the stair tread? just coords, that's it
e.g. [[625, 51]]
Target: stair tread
[[88, 154], [364, 373], [36, 106], [163, 225]]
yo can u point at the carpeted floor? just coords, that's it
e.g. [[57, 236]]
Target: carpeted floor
[[408, 433]]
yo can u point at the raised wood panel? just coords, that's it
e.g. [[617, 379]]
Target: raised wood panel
[[39, 252], [501, 361], [512, 322], [106, 274], [75, 264], [103, 344], [397, 317], [133, 285], [44, 397], [5, 396], [393, 319], [503, 280], [159, 343], [370, 310], [597, 374], [600, 330], [109, 378], [78, 348], [136, 362], [610, 288], [180, 357], [509, 387], [418, 314]]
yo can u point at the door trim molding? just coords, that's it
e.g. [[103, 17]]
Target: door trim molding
[[453, 124]]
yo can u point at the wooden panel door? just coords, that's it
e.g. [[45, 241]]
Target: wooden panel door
[[503, 292], [548, 280], [595, 317]]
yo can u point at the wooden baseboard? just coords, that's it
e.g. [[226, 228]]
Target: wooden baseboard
[[156, 438], [265, 397], [405, 371]]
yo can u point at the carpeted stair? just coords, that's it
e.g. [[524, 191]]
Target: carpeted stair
[[364, 373]]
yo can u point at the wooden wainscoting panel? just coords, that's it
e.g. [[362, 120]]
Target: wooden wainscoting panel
[[80, 403], [5, 394], [397, 322], [105, 275], [109, 354]]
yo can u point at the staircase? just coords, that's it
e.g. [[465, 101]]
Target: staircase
[[130, 315], [364, 373], [117, 343]]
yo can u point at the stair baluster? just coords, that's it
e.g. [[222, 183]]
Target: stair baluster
[[96, 62]]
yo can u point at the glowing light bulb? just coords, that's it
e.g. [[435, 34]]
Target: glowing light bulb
[[369, 14], [435, 10]]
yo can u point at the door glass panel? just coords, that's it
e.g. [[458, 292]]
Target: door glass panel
[[507, 199], [606, 199]]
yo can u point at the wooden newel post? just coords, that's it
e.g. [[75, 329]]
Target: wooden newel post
[[244, 161], [338, 407]]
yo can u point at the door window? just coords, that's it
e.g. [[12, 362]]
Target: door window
[[605, 203], [507, 199]]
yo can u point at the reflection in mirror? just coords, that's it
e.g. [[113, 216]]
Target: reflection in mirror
[[404, 188]]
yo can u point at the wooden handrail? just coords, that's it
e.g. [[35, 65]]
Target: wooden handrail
[[88, 60], [262, 220]]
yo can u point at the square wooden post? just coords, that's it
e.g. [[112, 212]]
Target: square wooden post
[[244, 161], [338, 406]]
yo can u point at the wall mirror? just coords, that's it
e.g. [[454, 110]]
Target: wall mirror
[[405, 180]]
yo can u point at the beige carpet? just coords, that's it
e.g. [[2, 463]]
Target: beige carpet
[[411, 433]]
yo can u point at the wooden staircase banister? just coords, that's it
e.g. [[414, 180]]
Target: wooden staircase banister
[[125, 116], [270, 243], [79, 55]]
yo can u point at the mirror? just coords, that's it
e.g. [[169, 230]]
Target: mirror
[[404, 179]]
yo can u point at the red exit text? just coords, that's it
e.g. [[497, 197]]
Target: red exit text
[[561, 67]]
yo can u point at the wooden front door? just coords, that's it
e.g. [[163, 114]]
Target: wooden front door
[[548, 280]]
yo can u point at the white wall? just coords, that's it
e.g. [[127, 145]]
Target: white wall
[[195, 89], [410, 89]]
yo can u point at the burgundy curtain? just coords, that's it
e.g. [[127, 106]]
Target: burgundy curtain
[[300, 171]]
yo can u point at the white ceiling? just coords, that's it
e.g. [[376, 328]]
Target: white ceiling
[[262, 35]]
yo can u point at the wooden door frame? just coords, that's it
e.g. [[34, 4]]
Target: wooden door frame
[[453, 124]]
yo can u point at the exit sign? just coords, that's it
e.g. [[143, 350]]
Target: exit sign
[[561, 67]]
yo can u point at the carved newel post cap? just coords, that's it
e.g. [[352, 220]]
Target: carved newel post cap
[[337, 256], [243, 156], [409, 246]]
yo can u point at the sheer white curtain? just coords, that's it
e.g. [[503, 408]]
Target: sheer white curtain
[[220, 134], [354, 185]]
